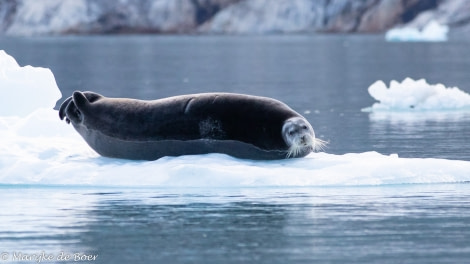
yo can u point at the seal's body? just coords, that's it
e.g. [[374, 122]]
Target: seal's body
[[239, 125]]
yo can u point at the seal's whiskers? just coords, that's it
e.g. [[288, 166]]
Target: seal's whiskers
[[308, 144], [319, 144], [293, 151]]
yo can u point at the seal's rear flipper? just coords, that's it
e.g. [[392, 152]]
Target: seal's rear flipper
[[62, 108], [76, 107], [80, 100], [92, 96], [72, 108]]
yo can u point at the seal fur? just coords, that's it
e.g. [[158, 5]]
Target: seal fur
[[243, 126]]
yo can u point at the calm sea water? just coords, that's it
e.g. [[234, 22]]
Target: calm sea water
[[323, 77], [392, 224]]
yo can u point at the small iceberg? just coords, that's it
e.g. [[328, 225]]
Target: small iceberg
[[411, 95], [433, 32]]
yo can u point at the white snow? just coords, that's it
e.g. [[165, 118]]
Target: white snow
[[39, 149], [413, 96], [433, 31]]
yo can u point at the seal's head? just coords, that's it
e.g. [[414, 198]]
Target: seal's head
[[300, 137]]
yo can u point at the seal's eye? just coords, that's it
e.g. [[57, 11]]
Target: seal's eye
[[291, 133], [304, 127]]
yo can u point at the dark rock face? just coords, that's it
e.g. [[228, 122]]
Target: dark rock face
[[267, 16], [413, 8], [371, 16], [32, 17], [206, 9], [345, 16]]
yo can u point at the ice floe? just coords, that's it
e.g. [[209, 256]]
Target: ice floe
[[36, 148], [417, 95]]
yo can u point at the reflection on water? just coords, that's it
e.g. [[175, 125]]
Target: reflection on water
[[239, 231], [396, 224], [395, 118], [441, 134], [33, 220]]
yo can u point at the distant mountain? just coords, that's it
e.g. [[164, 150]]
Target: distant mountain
[[58, 17]]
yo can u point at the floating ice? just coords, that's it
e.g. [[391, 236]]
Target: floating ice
[[411, 95], [433, 31], [39, 149], [68, 161]]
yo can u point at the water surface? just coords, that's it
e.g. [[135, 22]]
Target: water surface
[[404, 224]]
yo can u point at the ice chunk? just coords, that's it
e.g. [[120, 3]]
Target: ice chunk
[[39, 149], [25, 89], [68, 161], [433, 31], [411, 95]]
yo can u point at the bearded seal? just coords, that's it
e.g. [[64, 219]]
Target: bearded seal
[[243, 126]]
